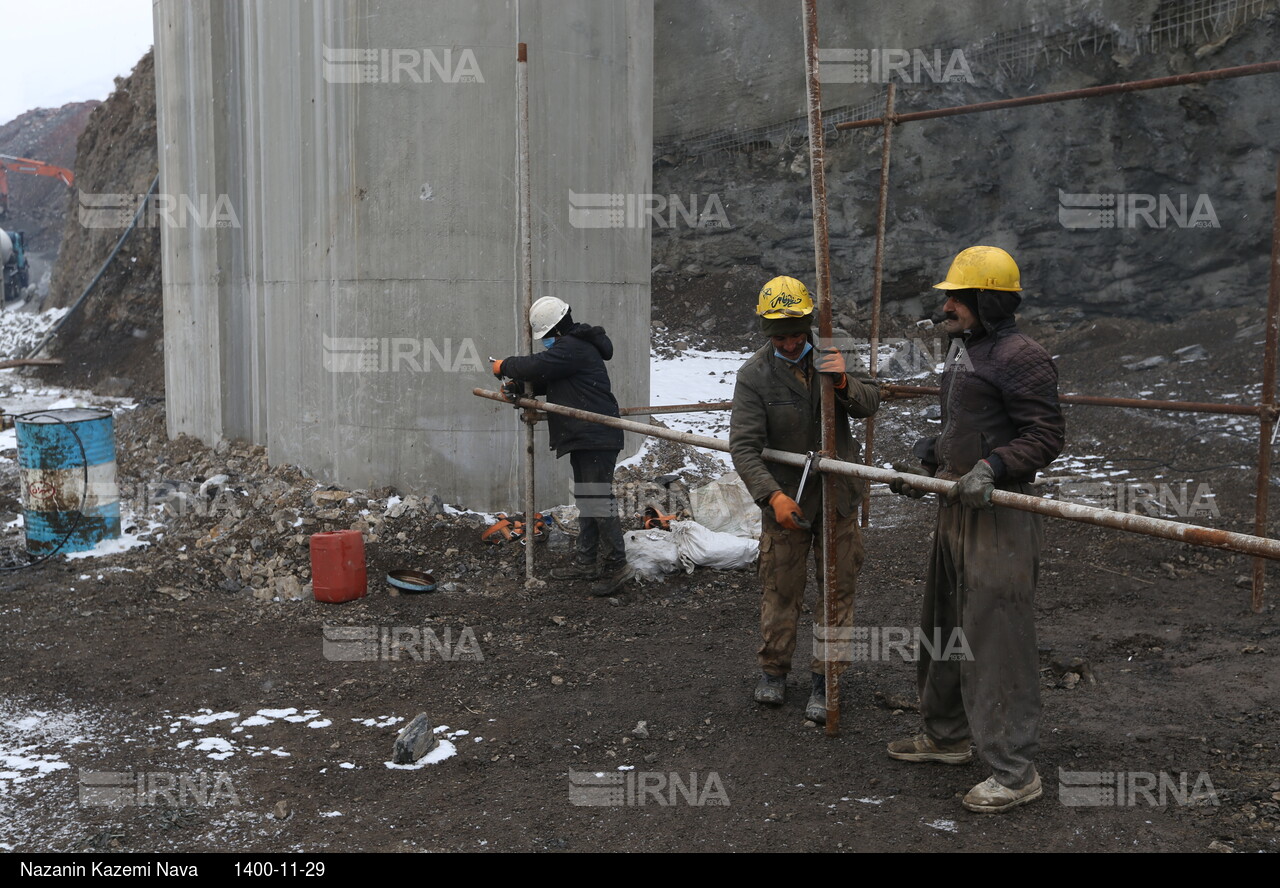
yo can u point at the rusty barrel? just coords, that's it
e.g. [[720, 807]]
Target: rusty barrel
[[54, 449]]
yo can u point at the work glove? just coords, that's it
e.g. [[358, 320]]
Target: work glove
[[497, 369], [513, 389], [786, 511], [831, 361], [974, 489], [901, 486]]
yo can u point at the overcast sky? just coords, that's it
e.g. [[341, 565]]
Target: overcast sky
[[59, 51]]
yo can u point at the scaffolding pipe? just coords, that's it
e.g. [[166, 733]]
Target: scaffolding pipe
[[1191, 534], [915, 391], [1068, 95], [526, 331], [1267, 417], [822, 261], [873, 360]]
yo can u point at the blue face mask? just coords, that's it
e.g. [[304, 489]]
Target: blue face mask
[[808, 347], [548, 342]]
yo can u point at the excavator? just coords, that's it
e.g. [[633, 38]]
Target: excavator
[[10, 164], [13, 245]]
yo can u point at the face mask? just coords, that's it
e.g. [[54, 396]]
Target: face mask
[[548, 342], [808, 347]]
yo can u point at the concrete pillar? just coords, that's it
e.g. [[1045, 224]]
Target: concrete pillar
[[369, 152]]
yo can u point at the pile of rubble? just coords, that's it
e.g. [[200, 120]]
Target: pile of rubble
[[225, 520]]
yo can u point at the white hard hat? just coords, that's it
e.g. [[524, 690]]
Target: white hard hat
[[545, 314]]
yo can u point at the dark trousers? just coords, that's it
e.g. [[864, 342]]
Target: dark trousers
[[598, 522], [981, 582]]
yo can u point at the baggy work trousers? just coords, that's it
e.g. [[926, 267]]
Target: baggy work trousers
[[784, 572], [981, 581], [598, 522]]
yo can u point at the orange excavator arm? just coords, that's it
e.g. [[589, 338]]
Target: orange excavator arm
[[32, 167]]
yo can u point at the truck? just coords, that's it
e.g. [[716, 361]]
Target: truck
[[16, 269]]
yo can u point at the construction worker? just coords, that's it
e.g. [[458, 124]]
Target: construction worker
[[1001, 423], [777, 403], [570, 371]]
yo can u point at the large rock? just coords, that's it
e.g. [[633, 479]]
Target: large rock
[[416, 740]]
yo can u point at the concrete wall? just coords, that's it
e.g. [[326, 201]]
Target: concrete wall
[[379, 219]]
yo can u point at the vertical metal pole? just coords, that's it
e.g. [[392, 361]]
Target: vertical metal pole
[[821, 252], [526, 332], [1267, 420], [874, 360]]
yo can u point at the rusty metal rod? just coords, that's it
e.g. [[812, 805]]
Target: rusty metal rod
[[822, 261], [1070, 94], [877, 279], [676, 408], [1192, 534], [1267, 419], [911, 391], [526, 332]]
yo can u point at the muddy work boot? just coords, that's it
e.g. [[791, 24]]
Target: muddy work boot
[[578, 570], [771, 690], [922, 748], [816, 709], [612, 580], [992, 797]]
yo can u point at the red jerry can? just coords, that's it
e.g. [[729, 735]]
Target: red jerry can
[[337, 566]]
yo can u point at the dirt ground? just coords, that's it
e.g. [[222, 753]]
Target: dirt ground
[[1152, 664]]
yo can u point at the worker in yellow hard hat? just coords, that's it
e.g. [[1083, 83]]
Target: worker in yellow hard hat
[[1001, 423], [777, 403]]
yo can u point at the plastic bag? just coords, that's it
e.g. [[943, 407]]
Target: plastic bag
[[724, 505], [699, 546], [652, 552]]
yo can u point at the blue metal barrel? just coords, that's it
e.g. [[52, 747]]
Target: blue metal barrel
[[52, 467]]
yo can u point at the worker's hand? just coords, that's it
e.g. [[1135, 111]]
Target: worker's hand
[[786, 511], [974, 489], [831, 361], [513, 389], [902, 486], [497, 369]]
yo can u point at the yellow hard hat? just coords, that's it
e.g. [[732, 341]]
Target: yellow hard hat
[[784, 297], [982, 268]]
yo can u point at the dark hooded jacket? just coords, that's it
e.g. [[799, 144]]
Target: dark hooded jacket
[[999, 399], [572, 373]]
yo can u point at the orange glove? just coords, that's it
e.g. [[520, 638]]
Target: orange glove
[[497, 369], [786, 510], [831, 361]]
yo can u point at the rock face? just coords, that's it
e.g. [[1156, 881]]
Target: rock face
[[416, 740], [1182, 170], [119, 331]]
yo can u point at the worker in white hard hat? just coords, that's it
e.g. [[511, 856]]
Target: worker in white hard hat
[[1001, 423], [570, 371], [777, 403]]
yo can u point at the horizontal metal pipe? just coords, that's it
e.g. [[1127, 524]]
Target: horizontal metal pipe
[[676, 408], [1138, 403], [1070, 94], [1191, 534]]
